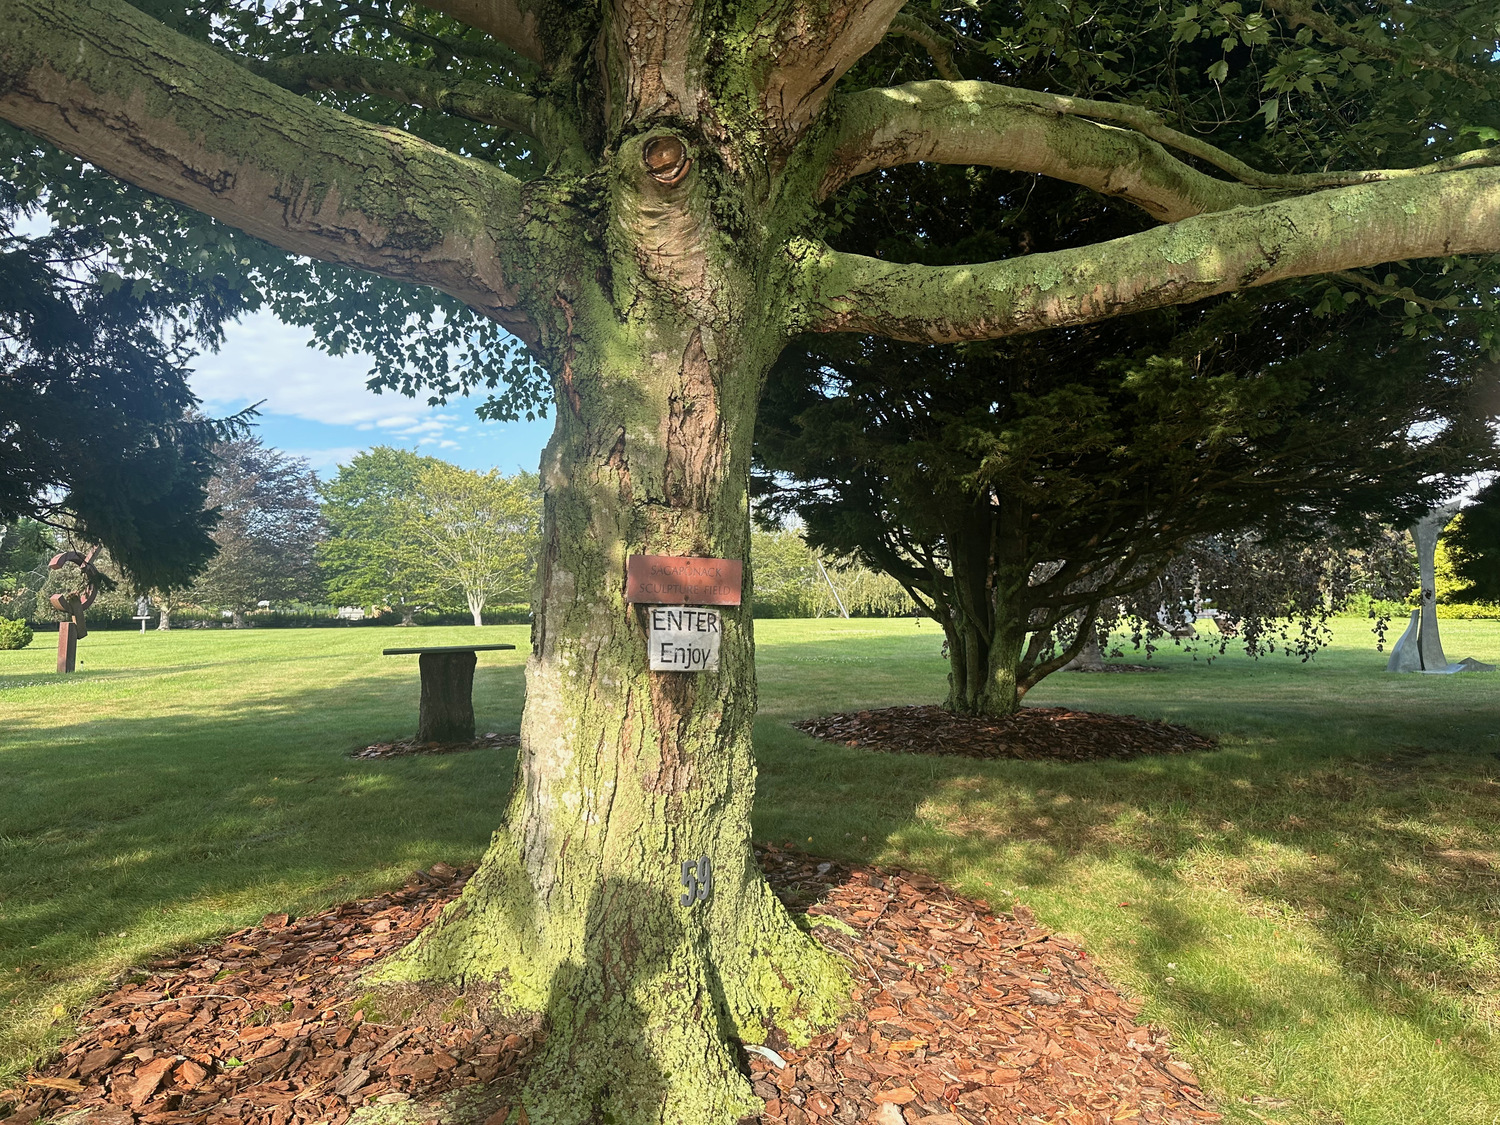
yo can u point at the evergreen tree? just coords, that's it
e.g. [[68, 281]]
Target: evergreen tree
[[98, 428], [268, 529]]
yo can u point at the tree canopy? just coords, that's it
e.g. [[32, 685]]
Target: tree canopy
[[371, 555], [1473, 541], [268, 527], [98, 427], [477, 533], [634, 188]]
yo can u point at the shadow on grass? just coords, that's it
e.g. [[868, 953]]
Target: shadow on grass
[[1379, 854], [124, 837]]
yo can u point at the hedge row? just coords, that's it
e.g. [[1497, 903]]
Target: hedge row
[[297, 619]]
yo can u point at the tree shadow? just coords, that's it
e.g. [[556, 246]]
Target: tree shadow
[[1378, 854]]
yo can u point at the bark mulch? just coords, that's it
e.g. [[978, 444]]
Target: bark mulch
[[411, 746], [969, 1017], [1044, 734], [259, 1028], [965, 1018]]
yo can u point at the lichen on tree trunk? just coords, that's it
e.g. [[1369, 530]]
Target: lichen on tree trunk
[[627, 774]]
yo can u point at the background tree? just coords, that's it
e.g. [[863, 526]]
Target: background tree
[[98, 428], [477, 533], [792, 580], [268, 529], [372, 555], [1017, 488], [631, 186], [1473, 541], [25, 547]]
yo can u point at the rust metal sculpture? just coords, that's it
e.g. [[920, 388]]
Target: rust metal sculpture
[[74, 606]]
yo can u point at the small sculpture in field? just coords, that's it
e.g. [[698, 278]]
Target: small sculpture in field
[[74, 606]]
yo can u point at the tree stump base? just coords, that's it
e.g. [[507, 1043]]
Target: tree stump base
[[447, 709]]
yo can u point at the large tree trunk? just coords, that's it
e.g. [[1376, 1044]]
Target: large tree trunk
[[984, 668], [628, 775], [164, 622], [476, 610]]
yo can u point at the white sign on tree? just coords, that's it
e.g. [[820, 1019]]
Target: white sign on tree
[[684, 639]]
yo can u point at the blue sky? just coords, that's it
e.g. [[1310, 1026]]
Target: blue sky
[[318, 407]]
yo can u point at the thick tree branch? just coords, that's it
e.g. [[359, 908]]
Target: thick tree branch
[[512, 22], [981, 123], [1328, 231], [1061, 137], [474, 100], [654, 51], [813, 42], [103, 80]]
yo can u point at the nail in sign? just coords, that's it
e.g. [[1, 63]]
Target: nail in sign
[[683, 638], [672, 580]]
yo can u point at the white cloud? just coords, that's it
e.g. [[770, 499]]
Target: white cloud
[[325, 461], [265, 359]]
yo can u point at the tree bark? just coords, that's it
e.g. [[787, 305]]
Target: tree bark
[[164, 622], [447, 706], [408, 615], [626, 774]]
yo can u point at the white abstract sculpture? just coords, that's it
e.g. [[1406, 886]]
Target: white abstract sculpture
[[1420, 648]]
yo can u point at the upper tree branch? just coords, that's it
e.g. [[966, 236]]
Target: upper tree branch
[[1338, 229], [981, 123], [475, 100], [512, 22], [909, 27], [812, 43], [1061, 137], [101, 79], [1298, 12]]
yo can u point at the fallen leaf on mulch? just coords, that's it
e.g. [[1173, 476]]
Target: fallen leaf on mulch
[[411, 746], [967, 1018], [1052, 734]]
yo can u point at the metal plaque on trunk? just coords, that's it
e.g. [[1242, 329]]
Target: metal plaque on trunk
[[683, 639], [673, 580]]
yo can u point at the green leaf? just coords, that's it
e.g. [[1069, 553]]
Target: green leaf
[[1219, 71]]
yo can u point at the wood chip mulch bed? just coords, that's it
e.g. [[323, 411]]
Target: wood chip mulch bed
[[408, 746], [967, 1018], [1044, 734]]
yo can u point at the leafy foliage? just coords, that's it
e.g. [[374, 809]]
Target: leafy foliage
[[268, 526], [1473, 541], [97, 424], [372, 555], [479, 533], [792, 580], [14, 634]]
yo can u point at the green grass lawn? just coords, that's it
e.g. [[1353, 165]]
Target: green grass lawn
[[1314, 909]]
